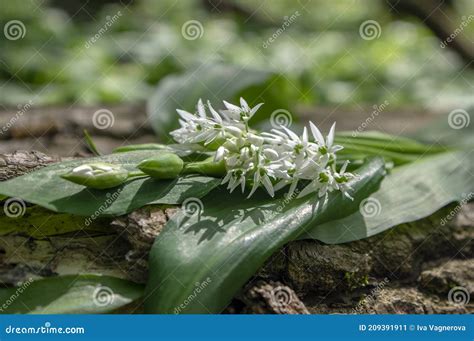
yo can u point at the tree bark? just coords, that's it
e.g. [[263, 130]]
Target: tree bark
[[408, 269]]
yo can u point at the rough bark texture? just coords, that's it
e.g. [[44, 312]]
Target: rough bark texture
[[421, 267], [411, 268]]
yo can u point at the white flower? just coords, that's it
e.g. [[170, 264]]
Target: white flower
[[272, 160]]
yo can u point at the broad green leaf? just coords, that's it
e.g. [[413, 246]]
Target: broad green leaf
[[46, 188], [72, 294], [214, 82], [199, 262], [409, 193]]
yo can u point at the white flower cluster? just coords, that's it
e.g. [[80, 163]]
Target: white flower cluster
[[275, 160]]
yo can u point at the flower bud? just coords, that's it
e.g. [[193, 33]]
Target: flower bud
[[162, 166], [97, 175]]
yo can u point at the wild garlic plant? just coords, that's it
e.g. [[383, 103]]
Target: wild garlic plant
[[270, 159]]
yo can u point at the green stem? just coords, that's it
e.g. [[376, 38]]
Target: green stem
[[207, 167], [136, 174]]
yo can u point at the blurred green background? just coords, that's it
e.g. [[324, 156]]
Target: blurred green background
[[320, 51]]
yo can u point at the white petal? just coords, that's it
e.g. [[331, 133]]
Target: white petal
[[308, 189], [316, 134], [254, 187], [232, 107], [242, 183], [186, 115], [293, 136], [219, 154], [82, 169], [214, 113], [330, 138], [226, 178], [343, 168], [268, 185], [201, 109], [280, 185], [305, 135], [292, 188], [271, 154], [234, 130], [244, 104], [255, 108]]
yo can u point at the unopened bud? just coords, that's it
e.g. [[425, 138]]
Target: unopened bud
[[162, 166], [97, 175]]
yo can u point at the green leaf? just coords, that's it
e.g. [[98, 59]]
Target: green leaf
[[91, 144], [214, 82], [46, 188], [198, 263], [409, 193], [81, 294]]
